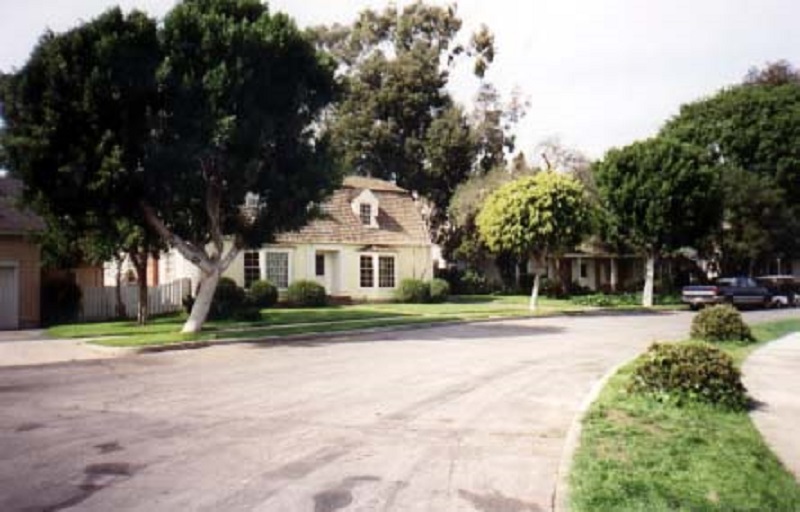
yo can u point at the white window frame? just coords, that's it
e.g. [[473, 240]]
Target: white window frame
[[289, 263], [376, 273]]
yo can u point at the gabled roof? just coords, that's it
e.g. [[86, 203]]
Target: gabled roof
[[13, 217], [399, 219]]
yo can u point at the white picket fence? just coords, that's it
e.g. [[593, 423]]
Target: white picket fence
[[101, 303]]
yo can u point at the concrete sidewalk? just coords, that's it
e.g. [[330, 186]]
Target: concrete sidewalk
[[34, 347], [772, 376]]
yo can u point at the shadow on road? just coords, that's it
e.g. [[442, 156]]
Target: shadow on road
[[484, 332]]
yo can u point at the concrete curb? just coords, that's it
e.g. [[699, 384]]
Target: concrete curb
[[560, 501]]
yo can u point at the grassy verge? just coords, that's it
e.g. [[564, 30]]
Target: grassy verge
[[285, 321], [640, 454]]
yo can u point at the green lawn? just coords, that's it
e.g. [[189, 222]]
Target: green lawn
[[638, 454], [285, 321]]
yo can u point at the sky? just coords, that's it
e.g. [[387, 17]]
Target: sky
[[597, 73]]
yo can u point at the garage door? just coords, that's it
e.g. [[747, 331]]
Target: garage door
[[9, 298]]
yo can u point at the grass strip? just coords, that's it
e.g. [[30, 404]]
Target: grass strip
[[638, 454]]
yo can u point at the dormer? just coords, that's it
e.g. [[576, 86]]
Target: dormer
[[365, 208]]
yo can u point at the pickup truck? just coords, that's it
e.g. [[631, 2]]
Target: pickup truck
[[737, 291]]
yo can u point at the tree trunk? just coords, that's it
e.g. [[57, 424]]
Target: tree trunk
[[535, 292], [140, 264], [120, 306], [649, 277], [202, 303]]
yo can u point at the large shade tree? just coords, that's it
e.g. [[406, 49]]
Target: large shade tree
[[753, 131], [76, 125], [535, 216], [659, 195], [231, 99], [396, 119]]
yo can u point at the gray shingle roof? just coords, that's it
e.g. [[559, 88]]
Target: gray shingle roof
[[399, 219], [14, 218]]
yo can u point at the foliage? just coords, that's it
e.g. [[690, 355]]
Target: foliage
[[76, 122], [679, 372], [263, 294], [753, 130], [228, 299], [621, 299], [636, 453], [176, 122], [248, 313], [413, 291], [464, 282], [544, 213], [439, 290], [720, 323], [60, 300], [396, 118], [305, 293], [660, 194]]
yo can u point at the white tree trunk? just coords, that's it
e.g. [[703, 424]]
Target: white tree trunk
[[535, 292], [202, 303], [649, 277]]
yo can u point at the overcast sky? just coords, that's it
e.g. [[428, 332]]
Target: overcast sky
[[598, 73]]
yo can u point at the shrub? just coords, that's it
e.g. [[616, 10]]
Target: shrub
[[247, 313], [263, 294], [689, 371], [188, 303], [720, 323], [439, 290], [228, 298], [304, 293], [413, 291], [60, 300]]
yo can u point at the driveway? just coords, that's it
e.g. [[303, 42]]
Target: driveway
[[466, 417], [34, 347]]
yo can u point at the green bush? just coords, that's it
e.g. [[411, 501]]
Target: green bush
[[263, 294], [413, 291], [439, 290], [689, 372], [307, 294], [247, 313], [720, 323], [228, 298], [60, 300]]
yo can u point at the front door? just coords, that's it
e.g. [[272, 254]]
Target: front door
[[325, 263], [9, 298]]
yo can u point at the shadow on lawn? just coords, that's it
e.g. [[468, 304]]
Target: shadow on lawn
[[460, 332]]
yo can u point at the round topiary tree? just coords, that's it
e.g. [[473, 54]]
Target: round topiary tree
[[228, 298], [439, 290], [679, 372], [413, 291], [306, 294], [720, 323], [263, 294]]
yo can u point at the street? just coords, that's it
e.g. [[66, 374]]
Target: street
[[461, 417]]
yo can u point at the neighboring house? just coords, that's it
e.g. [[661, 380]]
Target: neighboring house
[[370, 237], [20, 262]]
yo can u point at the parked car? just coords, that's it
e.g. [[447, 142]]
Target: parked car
[[737, 291], [784, 289]]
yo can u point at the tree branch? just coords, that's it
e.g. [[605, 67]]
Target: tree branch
[[189, 251]]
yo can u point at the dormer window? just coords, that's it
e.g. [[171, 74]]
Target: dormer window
[[365, 208], [366, 214]]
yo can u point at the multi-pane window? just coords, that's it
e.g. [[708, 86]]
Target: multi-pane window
[[252, 268], [278, 268], [366, 214], [386, 271], [367, 272], [319, 264]]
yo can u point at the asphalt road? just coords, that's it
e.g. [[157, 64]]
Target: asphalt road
[[467, 417]]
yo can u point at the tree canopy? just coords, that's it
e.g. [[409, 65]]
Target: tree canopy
[[534, 216], [221, 99], [659, 195], [396, 120], [753, 127]]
